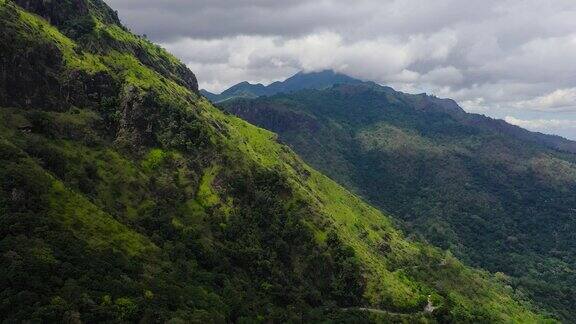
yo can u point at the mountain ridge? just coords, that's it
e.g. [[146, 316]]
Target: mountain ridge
[[251, 91], [299, 81]]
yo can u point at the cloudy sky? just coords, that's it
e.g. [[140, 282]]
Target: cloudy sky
[[510, 59]]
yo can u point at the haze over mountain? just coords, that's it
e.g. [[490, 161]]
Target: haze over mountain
[[495, 195], [126, 197]]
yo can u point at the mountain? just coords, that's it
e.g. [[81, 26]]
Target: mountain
[[125, 196], [243, 89], [301, 80], [497, 196]]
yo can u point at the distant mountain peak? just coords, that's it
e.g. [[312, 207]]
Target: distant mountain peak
[[299, 81]]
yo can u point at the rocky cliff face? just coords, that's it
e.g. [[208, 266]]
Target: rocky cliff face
[[29, 73]]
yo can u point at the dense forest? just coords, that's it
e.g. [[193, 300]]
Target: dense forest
[[127, 197], [496, 196]]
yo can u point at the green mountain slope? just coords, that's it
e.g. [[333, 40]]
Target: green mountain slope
[[126, 197], [497, 196]]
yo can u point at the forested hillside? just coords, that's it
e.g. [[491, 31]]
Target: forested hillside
[[126, 197], [497, 196]]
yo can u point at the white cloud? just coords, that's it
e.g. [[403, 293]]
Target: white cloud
[[561, 99], [562, 127], [265, 58], [448, 75]]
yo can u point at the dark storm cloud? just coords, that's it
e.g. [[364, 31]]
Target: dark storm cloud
[[165, 20], [502, 58]]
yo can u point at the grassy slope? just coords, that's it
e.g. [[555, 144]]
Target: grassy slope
[[399, 274], [389, 281]]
